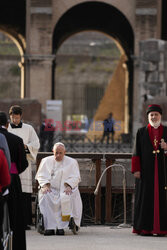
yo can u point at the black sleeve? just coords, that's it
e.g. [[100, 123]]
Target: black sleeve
[[137, 144], [22, 160]]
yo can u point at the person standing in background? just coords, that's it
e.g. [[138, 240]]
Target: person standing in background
[[31, 145], [108, 128]]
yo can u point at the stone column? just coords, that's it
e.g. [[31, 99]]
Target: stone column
[[40, 77], [38, 56]]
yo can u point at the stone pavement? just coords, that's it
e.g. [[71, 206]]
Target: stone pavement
[[96, 238]]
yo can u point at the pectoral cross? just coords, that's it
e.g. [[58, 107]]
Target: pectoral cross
[[155, 142]]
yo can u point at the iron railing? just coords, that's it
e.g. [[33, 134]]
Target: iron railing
[[82, 143]]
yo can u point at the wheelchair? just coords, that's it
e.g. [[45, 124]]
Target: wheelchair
[[39, 220]]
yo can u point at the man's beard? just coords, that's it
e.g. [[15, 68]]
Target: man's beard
[[154, 124]]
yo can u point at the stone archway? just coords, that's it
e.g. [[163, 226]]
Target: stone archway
[[86, 16], [12, 23], [19, 42], [113, 23]]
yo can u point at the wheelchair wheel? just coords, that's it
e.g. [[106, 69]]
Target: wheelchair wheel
[[7, 233], [39, 222]]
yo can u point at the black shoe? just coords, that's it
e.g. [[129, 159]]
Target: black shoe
[[160, 235], [28, 228], [49, 232], [73, 226], [60, 232], [149, 234]]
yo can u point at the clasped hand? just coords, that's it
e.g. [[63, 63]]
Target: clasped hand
[[163, 144]]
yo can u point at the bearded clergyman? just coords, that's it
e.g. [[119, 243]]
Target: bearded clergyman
[[149, 166]]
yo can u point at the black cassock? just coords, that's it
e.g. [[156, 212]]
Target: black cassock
[[150, 211], [14, 199]]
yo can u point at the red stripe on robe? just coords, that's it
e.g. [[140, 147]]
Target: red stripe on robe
[[156, 133], [135, 164]]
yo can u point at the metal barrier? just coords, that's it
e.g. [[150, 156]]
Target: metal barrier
[[124, 189], [82, 143]]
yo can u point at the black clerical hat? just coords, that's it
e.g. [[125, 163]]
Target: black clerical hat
[[154, 107]]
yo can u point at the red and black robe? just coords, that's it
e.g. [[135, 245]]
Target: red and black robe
[[150, 211]]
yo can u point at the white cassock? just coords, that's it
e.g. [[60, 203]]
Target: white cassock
[[30, 138], [56, 206]]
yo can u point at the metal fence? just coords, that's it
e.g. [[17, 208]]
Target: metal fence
[[82, 143]]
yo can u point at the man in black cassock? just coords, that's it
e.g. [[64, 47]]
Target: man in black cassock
[[149, 163], [18, 165]]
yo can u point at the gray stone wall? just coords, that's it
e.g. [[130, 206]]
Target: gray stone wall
[[152, 76]]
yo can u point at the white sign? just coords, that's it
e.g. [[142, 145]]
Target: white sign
[[54, 110]]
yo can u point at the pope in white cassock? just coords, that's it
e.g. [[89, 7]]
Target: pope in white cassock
[[59, 198]]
